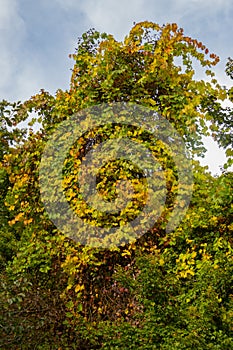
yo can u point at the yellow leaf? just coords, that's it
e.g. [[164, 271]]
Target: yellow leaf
[[126, 252], [161, 262], [194, 254], [27, 222], [79, 288], [18, 217]]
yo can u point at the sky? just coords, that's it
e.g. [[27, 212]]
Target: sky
[[36, 38]]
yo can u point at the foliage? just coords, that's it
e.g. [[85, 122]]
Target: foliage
[[8, 137], [162, 291]]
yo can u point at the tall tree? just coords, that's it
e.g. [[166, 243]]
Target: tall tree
[[72, 295]]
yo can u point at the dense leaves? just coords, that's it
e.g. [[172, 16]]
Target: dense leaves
[[165, 290]]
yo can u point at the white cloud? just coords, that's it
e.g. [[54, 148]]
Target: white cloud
[[202, 19], [25, 64], [12, 31], [214, 157], [114, 16], [201, 7]]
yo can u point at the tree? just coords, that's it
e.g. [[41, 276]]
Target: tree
[[8, 138], [109, 298]]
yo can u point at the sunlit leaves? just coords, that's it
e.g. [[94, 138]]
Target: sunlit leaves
[[169, 290]]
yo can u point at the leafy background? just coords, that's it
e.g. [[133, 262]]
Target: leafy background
[[162, 291], [36, 39]]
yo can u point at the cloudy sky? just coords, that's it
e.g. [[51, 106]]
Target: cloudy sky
[[36, 38]]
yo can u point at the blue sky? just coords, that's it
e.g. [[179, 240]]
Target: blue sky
[[36, 38]]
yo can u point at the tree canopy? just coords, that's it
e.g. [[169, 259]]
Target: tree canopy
[[167, 289]]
